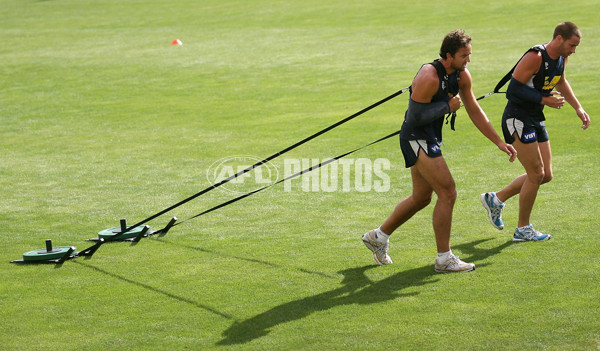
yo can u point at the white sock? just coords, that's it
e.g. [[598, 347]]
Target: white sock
[[497, 200], [383, 237], [444, 255]]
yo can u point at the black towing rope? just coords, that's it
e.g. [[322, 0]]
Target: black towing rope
[[259, 163], [64, 253]]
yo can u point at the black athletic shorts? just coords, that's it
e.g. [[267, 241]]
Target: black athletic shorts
[[529, 129], [410, 150]]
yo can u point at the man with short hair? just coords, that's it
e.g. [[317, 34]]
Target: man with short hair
[[434, 93], [538, 72]]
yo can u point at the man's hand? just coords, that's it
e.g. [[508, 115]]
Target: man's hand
[[554, 100], [454, 103], [585, 118], [508, 149]]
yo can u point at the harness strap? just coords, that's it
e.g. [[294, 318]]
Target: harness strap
[[446, 81], [259, 163], [288, 178], [508, 75]]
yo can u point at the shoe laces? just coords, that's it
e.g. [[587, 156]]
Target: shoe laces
[[452, 258], [383, 251], [379, 246], [382, 247], [496, 209], [529, 233], [536, 232]]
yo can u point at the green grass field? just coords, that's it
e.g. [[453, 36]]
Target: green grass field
[[102, 119]]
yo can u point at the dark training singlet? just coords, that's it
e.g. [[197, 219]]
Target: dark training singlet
[[543, 81], [447, 89]]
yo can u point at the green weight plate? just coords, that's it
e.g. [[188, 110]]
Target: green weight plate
[[43, 255], [110, 232]]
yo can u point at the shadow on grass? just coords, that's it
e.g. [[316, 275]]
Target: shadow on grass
[[356, 288], [158, 291], [252, 260]]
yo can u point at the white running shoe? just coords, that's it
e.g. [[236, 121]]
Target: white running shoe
[[527, 233], [494, 211], [453, 264], [380, 249]]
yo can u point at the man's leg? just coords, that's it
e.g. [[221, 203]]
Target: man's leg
[[546, 153], [531, 158], [429, 174], [515, 186], [536, 158], [420, 198], [436, 173], [377, 239], [512, 189], [525, 230]]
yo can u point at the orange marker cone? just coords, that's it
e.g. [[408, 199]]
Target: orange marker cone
[[176, 42]]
